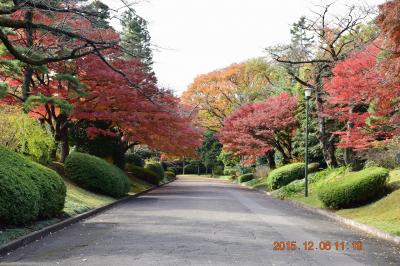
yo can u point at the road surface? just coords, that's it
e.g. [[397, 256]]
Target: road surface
[[197, 221]]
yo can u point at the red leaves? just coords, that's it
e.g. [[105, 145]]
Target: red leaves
[[256, 128], [160, 123], [360, 97]]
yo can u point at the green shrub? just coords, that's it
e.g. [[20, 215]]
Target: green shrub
[[156, 168], [171, 169], [245, 178], [353, 189], [97, 175], [28, 190], [52, 191], [284, 175], [231, 171], [21, 133], [134, 159], [218, 170], [313, 167], [169, 175], [145, 175]]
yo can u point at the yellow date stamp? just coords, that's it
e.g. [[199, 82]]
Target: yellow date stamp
[[318, 245]]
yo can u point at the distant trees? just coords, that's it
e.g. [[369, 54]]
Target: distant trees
[[219, 93]]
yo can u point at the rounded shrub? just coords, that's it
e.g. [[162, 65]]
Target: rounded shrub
[[134, 159], [353, 189], [52, 191], [156, 168], [284, 175], [97, 175], [169, 175], [145, 175], [245, 178], [28, 190]]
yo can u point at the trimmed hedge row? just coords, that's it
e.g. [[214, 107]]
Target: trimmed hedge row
[[354, 189], [245, 178], [28, 190], [284, 175], [145, 175], [97, 175], [156, 168]]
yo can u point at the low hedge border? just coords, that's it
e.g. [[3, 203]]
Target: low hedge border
[[40, 234]]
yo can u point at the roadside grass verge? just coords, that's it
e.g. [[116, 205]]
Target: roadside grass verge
[[383, 213]]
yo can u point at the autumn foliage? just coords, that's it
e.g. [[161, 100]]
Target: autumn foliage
[[255, 129]]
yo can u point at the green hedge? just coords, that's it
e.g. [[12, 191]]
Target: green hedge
[[284, 175], [28, 191], [169, 175], [52, 191], [354, 189], [156, 168], [97, 175], [145, 175], [134, 159], [245, 178], [171, 169]]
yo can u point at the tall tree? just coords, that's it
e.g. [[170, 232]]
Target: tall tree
[[335, 37], [135, 38]]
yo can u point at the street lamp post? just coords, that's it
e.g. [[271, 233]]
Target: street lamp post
[[307, 94]]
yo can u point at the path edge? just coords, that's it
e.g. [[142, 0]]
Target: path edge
[[40, 234]]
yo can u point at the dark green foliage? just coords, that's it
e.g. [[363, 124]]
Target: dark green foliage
[[210, 150], [134, 159], [191, 169], [156, 168], [284, 175], [97, 175], [101, 146], [170, 169], [245, 178], [145, 175], [28, 190], [169, 175], [218, 170], [354, 189], [135, 38]]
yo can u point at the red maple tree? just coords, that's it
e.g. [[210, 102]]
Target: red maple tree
[[259, 128]]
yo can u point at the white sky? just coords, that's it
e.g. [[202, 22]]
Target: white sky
[[199, 36]]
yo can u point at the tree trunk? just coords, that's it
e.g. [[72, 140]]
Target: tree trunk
[[271, 159], [183, 166], [64, 145], [28, 70], [324, 137]]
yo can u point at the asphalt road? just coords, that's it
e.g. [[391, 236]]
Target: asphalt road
[[197, 221]]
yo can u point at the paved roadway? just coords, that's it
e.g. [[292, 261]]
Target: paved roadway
[[196, 221]]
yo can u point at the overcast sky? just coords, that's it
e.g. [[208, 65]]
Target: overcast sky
[[199, 36]]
